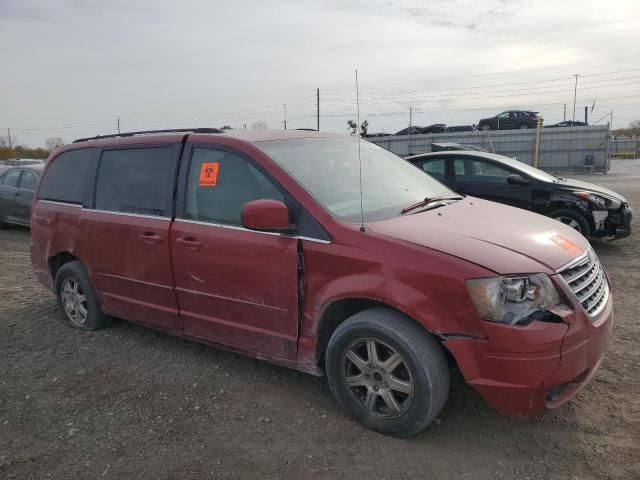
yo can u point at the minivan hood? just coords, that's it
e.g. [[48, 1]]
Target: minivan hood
[[571, 184], [495, 236]]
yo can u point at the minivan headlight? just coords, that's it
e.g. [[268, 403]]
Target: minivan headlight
[[511, 300]]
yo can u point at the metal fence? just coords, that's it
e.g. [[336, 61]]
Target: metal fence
[[626, 147], [562, 149]]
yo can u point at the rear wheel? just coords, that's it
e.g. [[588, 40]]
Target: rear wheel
[[77, 300], [573, 220], [387, 372]]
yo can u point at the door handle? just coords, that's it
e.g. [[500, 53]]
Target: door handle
[[151, 238], [189, 242]]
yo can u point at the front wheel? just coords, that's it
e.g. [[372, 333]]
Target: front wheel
[[387, 372], [573, 220]]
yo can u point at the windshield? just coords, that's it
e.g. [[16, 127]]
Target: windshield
[[328, 169]]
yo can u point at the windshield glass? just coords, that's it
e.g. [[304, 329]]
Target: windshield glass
[[328, 169]]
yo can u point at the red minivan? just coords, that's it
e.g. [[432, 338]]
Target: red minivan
[[326, 254]]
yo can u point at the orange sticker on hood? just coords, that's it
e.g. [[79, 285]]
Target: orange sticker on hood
[[208, 174], [565, 244]]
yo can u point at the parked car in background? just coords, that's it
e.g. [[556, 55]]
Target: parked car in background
[[446, 146], [592, 210], [460, 128], [568, 123], [327, 254], [435, 128], [510, 120], [17, 185], [22, 161]]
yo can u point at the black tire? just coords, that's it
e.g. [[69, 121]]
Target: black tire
[[572, 219], [485, 127], [423, 366], [524, 127], [74, 273]]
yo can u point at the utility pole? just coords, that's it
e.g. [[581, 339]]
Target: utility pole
[[575, 93], [285, 116], [586, 115], [318, 109], [564, 115], [410, 119], [118, 126], [9, 137]]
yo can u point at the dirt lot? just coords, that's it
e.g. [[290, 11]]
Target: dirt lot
[[128, 402]]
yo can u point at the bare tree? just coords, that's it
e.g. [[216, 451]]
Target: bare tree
[[352, 126], [634, 125], [53, 143], [259, 125]]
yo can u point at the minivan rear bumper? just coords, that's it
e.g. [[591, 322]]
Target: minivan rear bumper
[[527, 370]]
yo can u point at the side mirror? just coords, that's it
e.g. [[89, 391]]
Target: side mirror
[[265, 215], [516, 179]]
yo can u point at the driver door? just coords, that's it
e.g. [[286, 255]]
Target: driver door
[[235, 286]]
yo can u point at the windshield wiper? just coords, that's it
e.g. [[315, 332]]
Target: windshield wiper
[[427, 201]]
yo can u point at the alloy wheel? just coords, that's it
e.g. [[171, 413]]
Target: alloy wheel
[[74, 302], [570, 222], [378, 377]]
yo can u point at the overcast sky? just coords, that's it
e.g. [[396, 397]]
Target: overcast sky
[[70, 68]]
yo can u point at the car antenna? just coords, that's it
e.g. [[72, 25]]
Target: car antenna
[[362, 229]]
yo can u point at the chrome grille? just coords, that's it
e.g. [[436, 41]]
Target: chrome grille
[[585, 277]]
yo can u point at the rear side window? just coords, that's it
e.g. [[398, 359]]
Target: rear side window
[[11, 178], [28, 181], [220, 183], [66, 177], [136, 180], [435, 169]]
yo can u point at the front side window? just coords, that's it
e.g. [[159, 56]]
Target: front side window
[[29, 180], [486, 172], [220, 183], [66, 177], [136, 180], [11, 178], [435, 168], [329, 169]]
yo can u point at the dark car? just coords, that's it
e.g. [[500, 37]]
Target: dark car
[[510, 120], [17, 185], [447, 146], [259, 241], [461, 128], [592, 210], [409, 131], [568, 123], [414, 130]]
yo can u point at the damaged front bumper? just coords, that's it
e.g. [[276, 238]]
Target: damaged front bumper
[[524, 370], [613, 223]]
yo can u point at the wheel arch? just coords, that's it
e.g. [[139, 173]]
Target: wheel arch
[[54, 262], [339, 310]]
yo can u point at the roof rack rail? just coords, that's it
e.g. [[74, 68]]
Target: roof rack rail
[[146, 132]]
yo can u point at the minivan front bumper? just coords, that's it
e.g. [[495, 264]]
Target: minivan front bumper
[[528, 369]]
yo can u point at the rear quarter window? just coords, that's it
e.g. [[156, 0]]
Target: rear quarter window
[[66, 178]]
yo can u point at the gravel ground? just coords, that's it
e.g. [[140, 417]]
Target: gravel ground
[[128, 402]]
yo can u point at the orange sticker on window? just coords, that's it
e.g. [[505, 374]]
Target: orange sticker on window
[[208, 174]]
